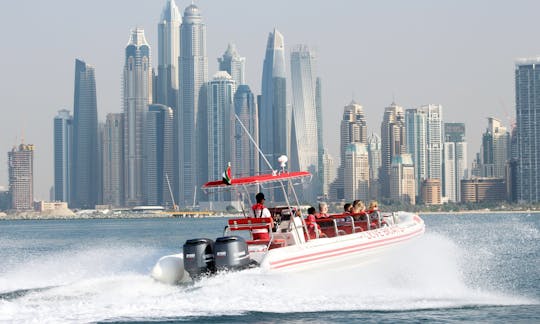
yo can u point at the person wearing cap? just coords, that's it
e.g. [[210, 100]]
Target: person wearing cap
[[259, 210]]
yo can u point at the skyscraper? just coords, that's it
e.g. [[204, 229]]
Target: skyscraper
[[455, 160], [220, 125], [356, 168], [234, 64], [329, 174], [273, 112], [159, 155], [137, 97], [244, 152], [353, 129], [21, 176], [304, 114], [63, 128], [402, 181], [393, 143], [320, 143], [495, 150], [425, 141], [193, 73], [374, 152], [168, 51], [85, 138], [113, 160]]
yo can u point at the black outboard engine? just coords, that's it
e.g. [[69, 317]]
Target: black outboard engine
[[231, 253], [199, 257]]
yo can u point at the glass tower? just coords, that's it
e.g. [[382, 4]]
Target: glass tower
[[527, 74], [63, 128], [137, 97], [193, 74], [85, 138]]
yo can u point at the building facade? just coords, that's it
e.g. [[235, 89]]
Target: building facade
[[402, 180], [137, 97], [425, 141], [85, 138], [234, 64], [356, 168], [21, 177], [455, 160], [193, 74], [374, 152], [527, 74], [273, 111], [63, 135], [168, 52], [159, 156], [219, 127], [393, 143], [495, 152], [244, 153], [479, 190], [113, 160]]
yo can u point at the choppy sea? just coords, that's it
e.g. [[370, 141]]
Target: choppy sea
[[467, 267]]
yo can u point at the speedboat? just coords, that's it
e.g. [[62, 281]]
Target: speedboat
[[344, 240]]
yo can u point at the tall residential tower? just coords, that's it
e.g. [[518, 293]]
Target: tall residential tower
[[137, 97]]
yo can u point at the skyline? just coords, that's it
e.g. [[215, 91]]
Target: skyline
[[402, 61]]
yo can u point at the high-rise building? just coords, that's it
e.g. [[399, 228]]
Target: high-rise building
[[305, 148], [273, 110], [402, 181], [220, 126], [374, 153], [320, 143], [527, 73], [393, 143], [353, 129], [85, 138], [113, 160], [455, 160], [159, 155], [430, 192], [63, 129], [425, 141], [244, 153], [168, 52], [21, 176], [356, 168], [234, 64], [193, 74], [329, 174], [137, 97], [495, 150]]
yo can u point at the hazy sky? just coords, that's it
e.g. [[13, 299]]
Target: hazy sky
[[456, 53]]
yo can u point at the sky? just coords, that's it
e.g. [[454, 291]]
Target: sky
[[459, 54]]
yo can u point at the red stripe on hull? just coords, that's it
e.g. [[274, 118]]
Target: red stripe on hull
[[341, 251]]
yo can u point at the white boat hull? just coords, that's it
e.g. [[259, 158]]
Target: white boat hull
[[343, 251]]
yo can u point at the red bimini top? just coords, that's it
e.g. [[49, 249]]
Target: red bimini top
[[258, 179]]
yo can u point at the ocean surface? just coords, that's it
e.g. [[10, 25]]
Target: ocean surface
[[468, 267]]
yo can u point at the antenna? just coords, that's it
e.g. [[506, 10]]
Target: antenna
[[254, 143]]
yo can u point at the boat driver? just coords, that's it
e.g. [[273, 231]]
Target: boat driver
[[259, 210]]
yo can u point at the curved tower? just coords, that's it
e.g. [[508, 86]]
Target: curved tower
[[168, 51]]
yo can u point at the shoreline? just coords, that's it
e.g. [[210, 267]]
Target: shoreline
[[38, 216]]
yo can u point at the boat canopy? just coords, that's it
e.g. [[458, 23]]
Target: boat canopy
[[257, 180]]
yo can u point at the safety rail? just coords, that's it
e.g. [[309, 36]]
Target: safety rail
[[342, 224], [254, 223]]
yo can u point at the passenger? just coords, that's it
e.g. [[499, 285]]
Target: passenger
[[373, 206], [314, 229], [323, 210], [259, 210], [347, 208], [358, 210]]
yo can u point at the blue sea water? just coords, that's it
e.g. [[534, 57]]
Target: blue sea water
[[468, 267]]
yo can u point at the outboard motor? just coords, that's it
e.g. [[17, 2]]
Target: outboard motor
[[231, 253], [199, 257]]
